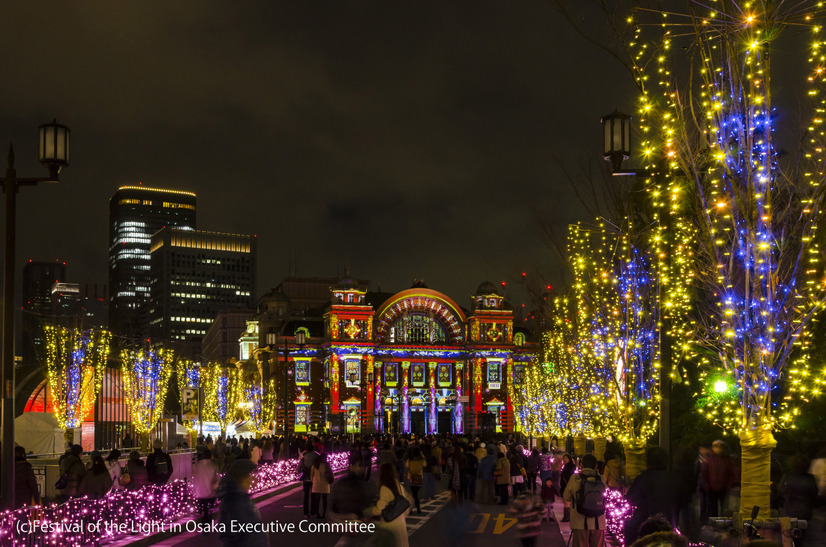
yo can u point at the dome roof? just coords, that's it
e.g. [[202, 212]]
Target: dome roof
[[488, 288], [275, 295], [347, 282]]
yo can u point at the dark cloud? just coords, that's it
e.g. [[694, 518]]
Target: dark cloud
[[409, 139]]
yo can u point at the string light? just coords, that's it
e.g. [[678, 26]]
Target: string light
[[146, 375], [75, 366]]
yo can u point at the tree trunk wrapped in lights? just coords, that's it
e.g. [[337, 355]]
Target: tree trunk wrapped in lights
[[75, 366], [146, 375], [220, 399], [249, 393], [756, 212]]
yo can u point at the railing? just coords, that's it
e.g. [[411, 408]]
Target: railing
[[152, 509]]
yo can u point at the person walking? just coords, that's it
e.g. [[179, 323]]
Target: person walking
[[114, 468], [26, 492], [547, 494], [471, 471], [487, 480], [455, 467], [532, 466], [719, 473], [568, 468], [587, 522], [237, 510], [429, 485], [612, 476], [321, 476], [517, 471], [74, 470], [798, 489], [305, 466], [389, 490], [656, 491], [205, 483], [136, 470], [502, 472], [158, 465], [415, 474], [527, 509], [97, 481], [267, 452]]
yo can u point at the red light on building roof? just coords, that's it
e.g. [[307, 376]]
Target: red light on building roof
[[503, 283], [548, 287], [524, 274]]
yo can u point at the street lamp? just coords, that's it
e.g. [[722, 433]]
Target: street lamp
[[616, 128], [617, 148], [53, 153]]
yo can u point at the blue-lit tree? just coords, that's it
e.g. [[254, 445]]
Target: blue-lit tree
[[756, 255], [146, 375], [75, 366]]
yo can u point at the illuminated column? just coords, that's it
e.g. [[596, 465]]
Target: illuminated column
[[405, 405], [432, 419], [334, 384], [377, 413], [508, 418], [458, 412], [370, 394], [477, 392]]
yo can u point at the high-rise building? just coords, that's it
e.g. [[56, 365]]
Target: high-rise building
[[194, 275], [38, 280], [81, 305], [135, 214]]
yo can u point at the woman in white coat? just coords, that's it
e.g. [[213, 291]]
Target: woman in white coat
[[389, 488]]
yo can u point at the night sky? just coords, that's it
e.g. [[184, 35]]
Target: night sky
[[413, 140]]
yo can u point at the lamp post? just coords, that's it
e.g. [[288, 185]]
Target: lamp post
[[53, 152], [616, 149]]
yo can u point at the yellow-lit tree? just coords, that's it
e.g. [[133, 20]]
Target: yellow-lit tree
[[707, 106], [75, 366], [146, 375], [221, 395]]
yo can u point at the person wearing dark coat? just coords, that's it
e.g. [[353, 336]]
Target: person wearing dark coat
[[568, 468], [72, 466], [532, 469], [136, 471], [656, 491], [26, 492], [158, 465], [237, 507], [97, 481], [798, 488]]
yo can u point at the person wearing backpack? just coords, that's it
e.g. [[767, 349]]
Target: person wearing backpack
[[158, 465], [585, 492]]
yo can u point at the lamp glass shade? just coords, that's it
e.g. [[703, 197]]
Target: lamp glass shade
[[300, 337], [53, 146], [617, 135]]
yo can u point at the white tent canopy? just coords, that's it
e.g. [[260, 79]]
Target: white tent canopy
[[38, 432]]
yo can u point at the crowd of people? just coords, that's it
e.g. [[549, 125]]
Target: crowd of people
[[696, 487]]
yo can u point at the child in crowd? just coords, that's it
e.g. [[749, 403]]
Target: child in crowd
[[548, 494]]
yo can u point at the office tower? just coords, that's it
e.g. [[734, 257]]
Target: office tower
[[194, 275], [135, 213], [80, 305], [38, 280]]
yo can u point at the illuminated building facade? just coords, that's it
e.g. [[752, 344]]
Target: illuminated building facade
[[410, 362], [135, 214], [194, 274]]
